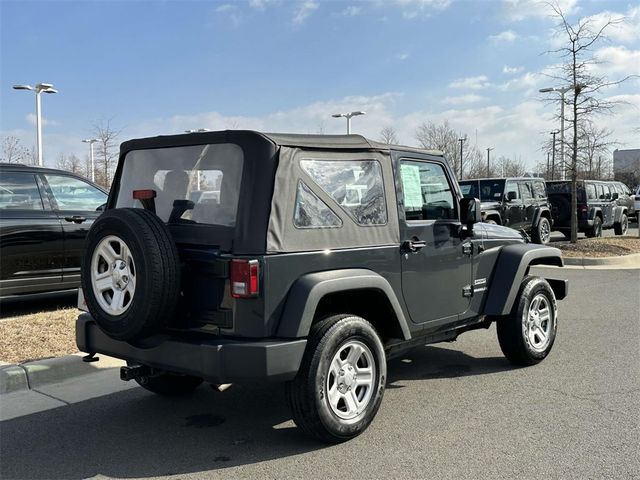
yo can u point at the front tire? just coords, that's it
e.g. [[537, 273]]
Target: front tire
[[339, 387], [621, 227], [527, 334]]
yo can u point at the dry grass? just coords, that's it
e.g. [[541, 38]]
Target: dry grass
[[38, 335], [602, 247]]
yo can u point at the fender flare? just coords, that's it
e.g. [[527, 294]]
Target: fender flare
[[594, 213], [493, 213], [619, 211], [509, 270], [306, 292], [538, 213]]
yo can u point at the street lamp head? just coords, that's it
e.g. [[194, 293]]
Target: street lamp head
[[358, 112], [547, 90], [90, 140], [44, 86], [22, 87], [555, 132], [50, 90], [338, 115]]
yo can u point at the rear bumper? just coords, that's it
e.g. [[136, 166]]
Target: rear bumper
[[216, 359]]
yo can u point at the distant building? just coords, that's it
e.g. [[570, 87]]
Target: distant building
[[626, 166]]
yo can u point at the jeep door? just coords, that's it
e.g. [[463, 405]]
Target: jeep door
[[513, 205], [529, 203], [608, 206], [435, 261], [31, 239]]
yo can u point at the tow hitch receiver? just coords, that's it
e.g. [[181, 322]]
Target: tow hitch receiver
[[133, 372]]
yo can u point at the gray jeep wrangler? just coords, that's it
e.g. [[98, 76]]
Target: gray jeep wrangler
[[237, 256]]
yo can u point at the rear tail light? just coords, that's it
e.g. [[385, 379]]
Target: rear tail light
[[584, 210], [244, 276]]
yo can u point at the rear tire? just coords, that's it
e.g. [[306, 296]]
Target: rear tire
[[542, 233], [169, 384], [339, 387], [527, 334], [596, 229], [621, 227]]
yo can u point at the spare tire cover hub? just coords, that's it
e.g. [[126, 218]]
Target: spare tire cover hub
[[113, 275]]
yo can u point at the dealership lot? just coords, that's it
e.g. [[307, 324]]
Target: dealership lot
[[454, 410]]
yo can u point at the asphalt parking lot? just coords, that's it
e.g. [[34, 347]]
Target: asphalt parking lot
[[455, 410]]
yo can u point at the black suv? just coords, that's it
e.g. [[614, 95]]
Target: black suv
[[598, 207], [236, 256], [45, 215], [519, 203]]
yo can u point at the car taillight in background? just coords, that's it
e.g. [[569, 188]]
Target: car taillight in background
[[244, 278], [584, 211]]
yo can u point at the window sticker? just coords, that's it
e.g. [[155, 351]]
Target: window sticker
[[410, 175]]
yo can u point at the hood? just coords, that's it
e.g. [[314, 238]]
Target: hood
[[498, 232]]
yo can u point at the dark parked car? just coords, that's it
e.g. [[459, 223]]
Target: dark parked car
[[318, 258], [45, 215], [519, 203], [597, 203]]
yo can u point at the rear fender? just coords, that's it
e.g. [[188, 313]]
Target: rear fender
[[306, 293], [618, 212], [511, 267]]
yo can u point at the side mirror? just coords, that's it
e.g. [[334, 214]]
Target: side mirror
[[511, 196], [470, 212], [615, 196]]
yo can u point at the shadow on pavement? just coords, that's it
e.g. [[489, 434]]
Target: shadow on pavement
[[137, 434], [14, 306]]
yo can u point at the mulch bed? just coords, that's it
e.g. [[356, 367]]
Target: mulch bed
[[601, 247]]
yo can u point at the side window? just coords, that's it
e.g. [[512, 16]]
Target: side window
[[600, 190], [311, 212], [525, 191], [19, 191], [509, 188], [73, 194], [426, 190], [355, 185], [591, 192], [607, 192], [539, 190]]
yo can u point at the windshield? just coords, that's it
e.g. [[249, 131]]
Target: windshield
[[208, 176], [485, 190]]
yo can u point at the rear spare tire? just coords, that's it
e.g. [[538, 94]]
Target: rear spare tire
[[130, 273]]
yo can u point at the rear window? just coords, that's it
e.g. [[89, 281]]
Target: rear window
[[207, 175], [565, 188]]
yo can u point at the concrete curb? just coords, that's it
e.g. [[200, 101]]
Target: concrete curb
[[632, 260], [30, 375]]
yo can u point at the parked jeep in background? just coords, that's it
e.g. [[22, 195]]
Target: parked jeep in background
[[320, 257], [624, 198], [597, 204], [519, 203]]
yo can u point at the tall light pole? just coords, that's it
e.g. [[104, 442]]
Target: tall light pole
[[348, 117], [38, 89], [488, 152], [461, 140], [562, 91], [91, 141], [553, 154]]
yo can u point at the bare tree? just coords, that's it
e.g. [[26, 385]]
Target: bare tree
[[444, 138], [71, 163], [107, 150], [585, 99], [13, 151], [594, 150], [389, 136]]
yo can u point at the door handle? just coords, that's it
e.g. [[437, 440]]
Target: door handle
[[413, 245], [75, 219]]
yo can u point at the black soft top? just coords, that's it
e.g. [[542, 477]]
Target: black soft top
[[321, 142]]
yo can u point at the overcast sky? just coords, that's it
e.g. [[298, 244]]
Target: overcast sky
[[158, 67]]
